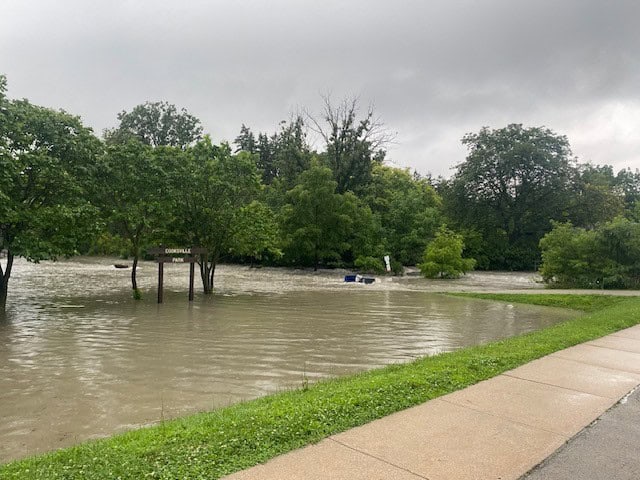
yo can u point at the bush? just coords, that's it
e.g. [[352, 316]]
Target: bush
[[107, 244], [369, 265], [607, 257], [396, 267], [443, 256]]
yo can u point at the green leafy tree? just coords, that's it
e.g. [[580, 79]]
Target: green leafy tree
[[408, 210], [216, 192], [370, 265], [597, 197], [443, 256], [156, 124], [46, 157], [318, 223], [133, 190], [246, 140], [291, 151], [266, 158], [569, 256], [619, 243], [514, 181], [605, 257], [256, 233], [353, 145], [628, 182], [280, 157]]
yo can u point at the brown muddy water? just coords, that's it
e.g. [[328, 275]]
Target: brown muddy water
[[79, 359]]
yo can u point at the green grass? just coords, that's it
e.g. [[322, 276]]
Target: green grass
[[210, 445], [586, 303]]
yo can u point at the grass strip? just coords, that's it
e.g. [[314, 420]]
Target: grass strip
[[210, 445], [586, 303]]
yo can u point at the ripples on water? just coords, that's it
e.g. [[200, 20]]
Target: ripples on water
[[79, 359]]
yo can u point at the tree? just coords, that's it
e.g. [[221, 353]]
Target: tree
[[569, 255], [596, 196], [292, 154], [156, 124], [256, 233], [246, 140], [280, 157], [408, 210], [353, 146], [45, 160], [216, 189], [133, 191], [317, 221], [443, 256], [628, 182], [605, 257], [514, 181]]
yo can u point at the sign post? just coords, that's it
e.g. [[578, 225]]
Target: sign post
[[164, 255]]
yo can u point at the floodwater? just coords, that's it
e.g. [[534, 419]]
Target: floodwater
[[79, 359]]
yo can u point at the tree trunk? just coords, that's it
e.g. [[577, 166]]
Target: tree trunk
[[3, 296], [4, 282], [134, 281], [207, 271]]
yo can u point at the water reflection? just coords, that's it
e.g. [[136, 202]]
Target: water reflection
[[80, 360]]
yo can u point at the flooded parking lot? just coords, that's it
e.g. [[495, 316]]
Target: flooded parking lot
[[79, 359]]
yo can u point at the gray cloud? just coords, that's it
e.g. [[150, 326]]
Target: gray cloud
[[434, 70]]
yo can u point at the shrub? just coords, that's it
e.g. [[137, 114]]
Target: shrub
[[606, 257], [443, 256], [369, 265]]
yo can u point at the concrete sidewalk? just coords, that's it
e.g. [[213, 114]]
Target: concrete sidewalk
[[606, 449], [497, 429]]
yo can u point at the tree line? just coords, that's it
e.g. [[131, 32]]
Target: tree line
[[274, 199]]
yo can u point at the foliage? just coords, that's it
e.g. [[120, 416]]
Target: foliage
[[256, 232], [596, 197], [216, 189], [109, 244], [132, 189], [315, 229], [281, 156], [443, 256], [514, 181], [214, 444], [269, 203], [353, 146], [369, 265], [606, 257], [407, 209], [396, 267], [46, 157], [628, 184], [321, 225], [156, 124]]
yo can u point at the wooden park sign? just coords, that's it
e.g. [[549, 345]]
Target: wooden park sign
[[166, 255]]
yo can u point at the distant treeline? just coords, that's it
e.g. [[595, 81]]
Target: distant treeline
[[273, 199]]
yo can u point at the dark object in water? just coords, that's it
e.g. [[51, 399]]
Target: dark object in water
[[359, 278], [121, 265]]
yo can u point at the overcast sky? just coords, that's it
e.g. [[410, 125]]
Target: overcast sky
[[433, 70]]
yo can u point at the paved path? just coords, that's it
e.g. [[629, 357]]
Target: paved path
[[608, 449], [497, 429]]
